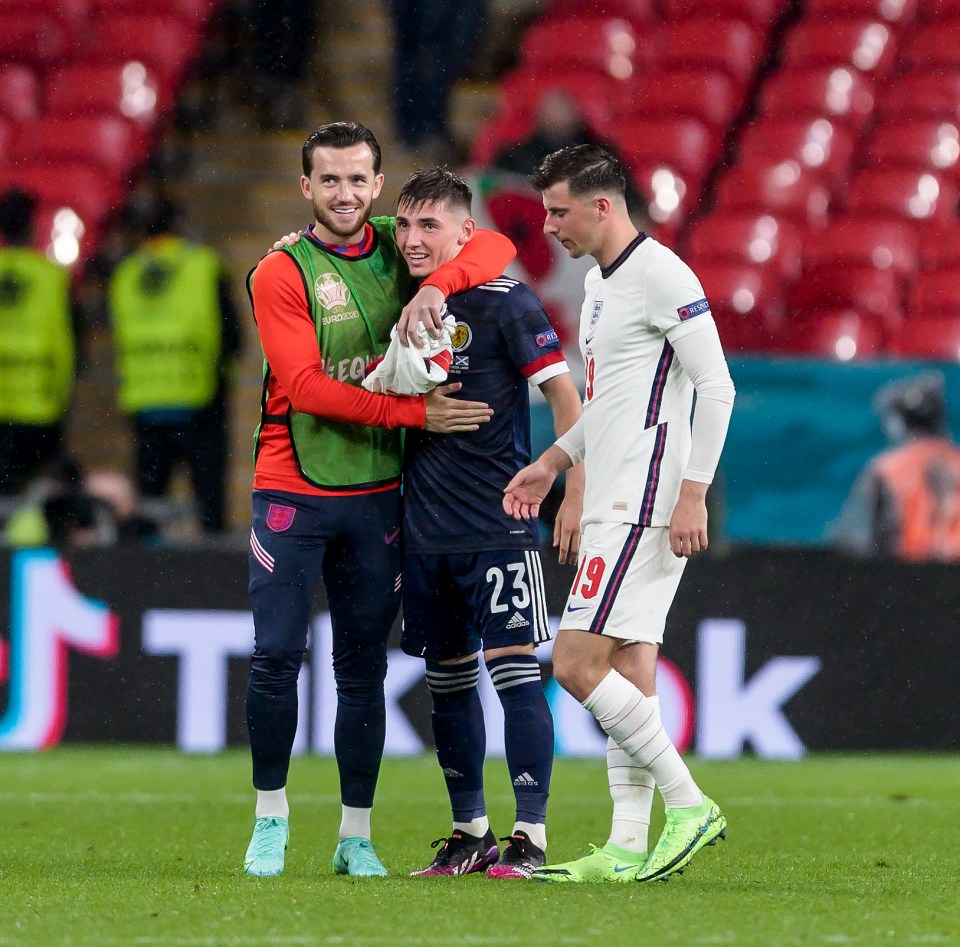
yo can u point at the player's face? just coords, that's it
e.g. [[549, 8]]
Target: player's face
[[572, 220], [430, 235], [342, 187]]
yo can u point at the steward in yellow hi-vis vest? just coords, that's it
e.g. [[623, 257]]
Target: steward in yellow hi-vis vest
[[176, 335], [37, 347], [166, 323]]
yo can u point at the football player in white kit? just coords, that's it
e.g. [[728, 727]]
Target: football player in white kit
[[648, 341]]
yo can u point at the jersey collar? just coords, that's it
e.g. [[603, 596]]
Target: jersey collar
[[608, 271]]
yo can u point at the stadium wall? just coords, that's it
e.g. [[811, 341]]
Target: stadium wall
[[767, 651]]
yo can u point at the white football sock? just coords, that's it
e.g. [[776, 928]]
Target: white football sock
[[631, 789], [633, 721], [354, 822], [479, 826], [272, 802], [536, 832]]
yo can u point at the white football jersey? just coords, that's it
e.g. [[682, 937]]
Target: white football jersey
[[637, 399]]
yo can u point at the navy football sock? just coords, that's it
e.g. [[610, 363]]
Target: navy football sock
[[528, 732], [459, 734]]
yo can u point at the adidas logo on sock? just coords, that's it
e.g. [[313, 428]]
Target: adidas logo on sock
[[525, 779], [450, 772], [517, 621]]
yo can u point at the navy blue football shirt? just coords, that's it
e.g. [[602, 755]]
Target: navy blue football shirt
[[453, 483]]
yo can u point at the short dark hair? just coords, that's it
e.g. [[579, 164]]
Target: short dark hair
[[16, 215], [340, 135], [429, 185], [586, 169]]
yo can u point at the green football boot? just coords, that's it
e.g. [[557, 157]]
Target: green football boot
[[265, 853], [686, 831], [356, 856], [608, 864]]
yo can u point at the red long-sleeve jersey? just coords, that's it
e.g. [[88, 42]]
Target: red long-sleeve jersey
[[297, 379]]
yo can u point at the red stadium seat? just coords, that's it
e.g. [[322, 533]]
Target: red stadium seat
[[728, 45], [842, 94], [112, 144], [934, 47], [744, 333], [868, 291], [756, 240], [818, 145], [937, 292], [71, 16], [922, 95], [881, 244], [867, 45], [708, 97], [842, 335], [598, 42], [637, 12], [934, 337], [736, 291], [898, 14], [128, 89], [784, 189], [761, 13], [940, 246], [19, 92], [161, 42], [34, 39], [668, 161], [925, 144], [682, 145], [912, 195], [81, 187]]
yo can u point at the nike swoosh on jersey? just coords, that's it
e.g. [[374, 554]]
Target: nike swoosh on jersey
[[390, 537], [577, 608]]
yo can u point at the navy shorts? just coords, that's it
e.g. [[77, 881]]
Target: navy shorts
[[351, 542], [457, 603]]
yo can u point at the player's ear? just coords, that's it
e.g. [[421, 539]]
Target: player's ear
[[602, 206], [305, 187], [467, 229], [377, 186]]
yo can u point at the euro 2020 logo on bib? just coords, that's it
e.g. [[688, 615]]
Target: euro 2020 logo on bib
[[332, 292]]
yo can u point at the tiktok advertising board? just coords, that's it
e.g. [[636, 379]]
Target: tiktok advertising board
[[771, 652]]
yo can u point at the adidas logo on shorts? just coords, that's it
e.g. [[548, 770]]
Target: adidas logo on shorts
[[517, 621]]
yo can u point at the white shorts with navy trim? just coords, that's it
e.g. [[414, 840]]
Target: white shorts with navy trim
[[626, 582]]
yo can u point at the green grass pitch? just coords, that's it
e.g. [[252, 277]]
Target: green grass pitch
[[126, 846]]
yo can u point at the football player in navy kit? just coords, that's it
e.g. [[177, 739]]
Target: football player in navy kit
[[472, 575]]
